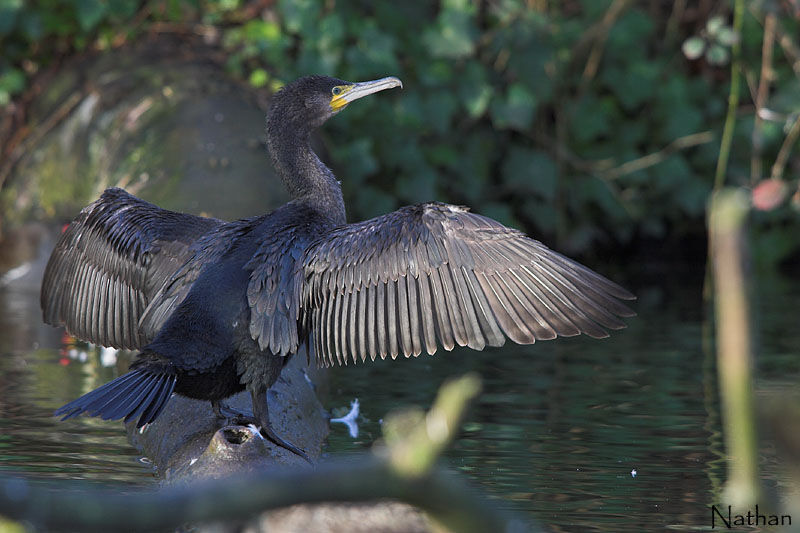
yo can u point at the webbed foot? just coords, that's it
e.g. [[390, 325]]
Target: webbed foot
[[231, 416]]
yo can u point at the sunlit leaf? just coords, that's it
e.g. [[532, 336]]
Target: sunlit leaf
[[474, 90], [454, 34], [12, 81], [727, 36], [259, 77], [714, 25], [717, 55], [693, 47]]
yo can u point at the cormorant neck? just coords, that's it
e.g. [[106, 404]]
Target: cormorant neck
[[304, 175]]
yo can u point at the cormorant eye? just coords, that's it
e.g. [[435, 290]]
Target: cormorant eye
[[336, 91]]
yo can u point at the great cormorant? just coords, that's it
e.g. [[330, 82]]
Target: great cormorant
[[215, 307]]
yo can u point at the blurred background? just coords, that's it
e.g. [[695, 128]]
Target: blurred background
[[594, 125]]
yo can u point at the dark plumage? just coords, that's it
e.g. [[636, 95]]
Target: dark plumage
[[216, 307]]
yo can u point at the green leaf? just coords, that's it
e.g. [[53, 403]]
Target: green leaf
[[438, 108], [474, 91], [516, 111], [122, 9], [375, 51], [634, 85], [31, 25], [592, 118], [300, 16], [8, 15], [786, 98], [594, 191], [332, 32], [12, 81], [259, 77], [476, 98], [627, 41], [473, 167], [454, 34], [90, 12], [675, 112], [357, 160], [530, 171], [671, 174]]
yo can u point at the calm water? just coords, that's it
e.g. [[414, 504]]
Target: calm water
[[556, 435]]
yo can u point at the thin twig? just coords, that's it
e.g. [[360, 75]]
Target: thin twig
[[606, 169], [761, 96], [615, 10], [25, 138], [786, 149], [790, 49], [649, 160], [733, 98], [678, 9]]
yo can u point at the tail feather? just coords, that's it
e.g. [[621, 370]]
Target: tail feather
[[136, 393], [157, 404], [134, 404], [103, 402], [147, 401], [98, 397]]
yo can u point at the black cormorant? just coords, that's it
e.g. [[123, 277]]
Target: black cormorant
[[215, 307]]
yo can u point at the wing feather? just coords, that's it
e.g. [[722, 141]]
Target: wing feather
[[426, 310], [372, 346], [109, 263], [380, 324], [446, 337], [435, 274]]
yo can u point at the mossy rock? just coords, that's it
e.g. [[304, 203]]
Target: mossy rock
[[160, 119]]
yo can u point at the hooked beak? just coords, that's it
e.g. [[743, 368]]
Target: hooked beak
[[355, 91]]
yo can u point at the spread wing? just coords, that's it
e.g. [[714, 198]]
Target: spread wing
[[435, 273], [110, 262]]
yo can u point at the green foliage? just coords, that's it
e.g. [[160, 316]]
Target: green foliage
[[526, 114], [486, 92]]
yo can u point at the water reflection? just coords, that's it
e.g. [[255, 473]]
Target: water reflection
[[37, 375], [561, 425], [556, 434]]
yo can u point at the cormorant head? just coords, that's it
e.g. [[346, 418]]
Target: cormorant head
[[306, 103]]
